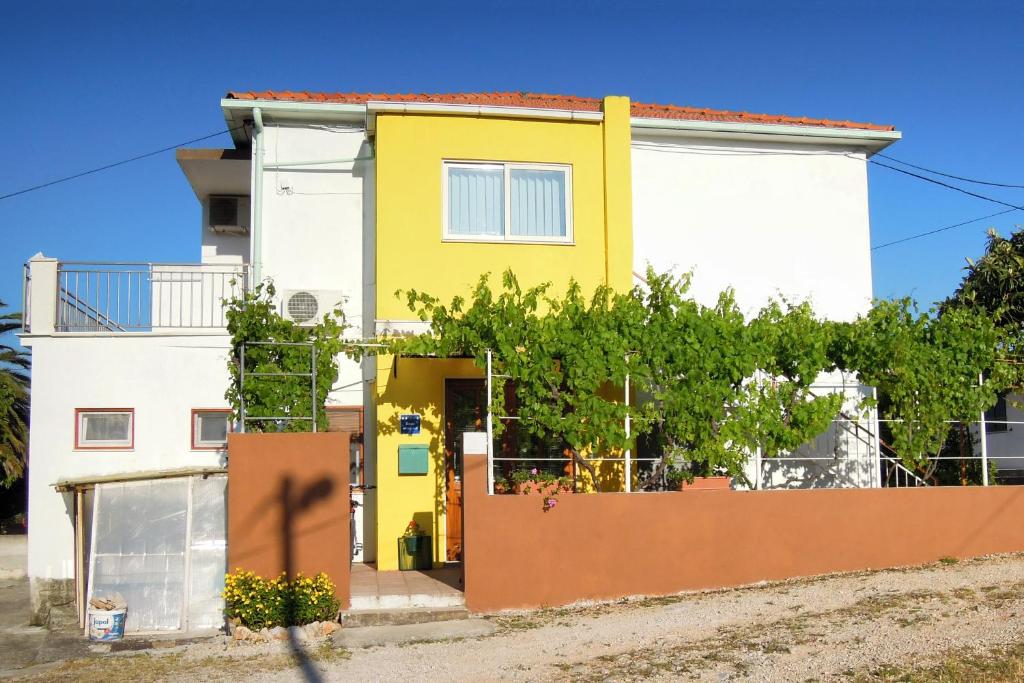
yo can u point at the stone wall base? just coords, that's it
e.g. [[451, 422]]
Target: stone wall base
[[53, 602]]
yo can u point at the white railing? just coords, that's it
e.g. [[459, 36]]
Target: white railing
[[851, 453], [898, 476], [143, 297]]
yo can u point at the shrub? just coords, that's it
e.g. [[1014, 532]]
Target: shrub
[[313, 599], [258, 602]]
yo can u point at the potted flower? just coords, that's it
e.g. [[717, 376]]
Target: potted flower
[[534, 481], [414, 548]]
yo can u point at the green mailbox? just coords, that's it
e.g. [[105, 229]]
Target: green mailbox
[[412, 458]]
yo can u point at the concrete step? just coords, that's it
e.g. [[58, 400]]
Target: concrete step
[[407, 601], [358, 618], [370, 636]]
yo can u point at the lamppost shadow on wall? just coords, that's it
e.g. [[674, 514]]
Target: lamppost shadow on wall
[[294, 503]]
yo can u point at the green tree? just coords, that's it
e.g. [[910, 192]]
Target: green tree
[[715, 385], [926, 367], [14, 402], [566, 357], [993, 285], [995, 282], [721, 386]]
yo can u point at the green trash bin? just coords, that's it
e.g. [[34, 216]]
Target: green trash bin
[[414, 553]]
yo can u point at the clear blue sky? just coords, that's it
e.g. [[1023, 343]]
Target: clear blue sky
[[86, 84]]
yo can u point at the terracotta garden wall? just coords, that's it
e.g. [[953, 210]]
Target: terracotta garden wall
[[288, 505], [610, 545]]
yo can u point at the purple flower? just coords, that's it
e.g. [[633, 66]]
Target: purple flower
[[533, 471]]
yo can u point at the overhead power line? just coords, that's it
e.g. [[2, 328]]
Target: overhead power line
[[949, 175], [1011, 207], [117, 163], [943, 229], [947, 185]]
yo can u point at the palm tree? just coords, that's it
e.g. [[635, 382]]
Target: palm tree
[[14, 402]]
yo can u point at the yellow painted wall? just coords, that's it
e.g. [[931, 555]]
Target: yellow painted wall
[[411, 254], [410, 250], [417, 388]]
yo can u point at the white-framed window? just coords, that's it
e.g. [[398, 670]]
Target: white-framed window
[[210, 427], [507, 202], [104, 428]]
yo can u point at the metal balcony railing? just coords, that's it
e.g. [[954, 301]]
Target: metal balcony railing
[[144, 297]]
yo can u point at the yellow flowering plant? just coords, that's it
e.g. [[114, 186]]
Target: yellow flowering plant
[[258, 602]]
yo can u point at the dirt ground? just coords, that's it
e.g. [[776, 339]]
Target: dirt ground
[[945, 622]]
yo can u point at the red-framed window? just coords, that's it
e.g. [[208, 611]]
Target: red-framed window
[[105, 429], [210, 428]]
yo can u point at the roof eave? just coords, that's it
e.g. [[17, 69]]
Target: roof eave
[[237, 112], [375, 107], [871, 140]]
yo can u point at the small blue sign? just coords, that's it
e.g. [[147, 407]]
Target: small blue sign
[[409, 424]]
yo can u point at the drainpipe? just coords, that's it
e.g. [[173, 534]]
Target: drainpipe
[[257, 198]]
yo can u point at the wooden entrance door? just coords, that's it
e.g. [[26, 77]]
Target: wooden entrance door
[[465, 406]]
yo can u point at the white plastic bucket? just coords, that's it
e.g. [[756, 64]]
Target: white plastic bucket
[[106, 624]]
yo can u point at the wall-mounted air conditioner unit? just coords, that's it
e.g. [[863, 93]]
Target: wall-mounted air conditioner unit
[[228, 214], [308, 306]]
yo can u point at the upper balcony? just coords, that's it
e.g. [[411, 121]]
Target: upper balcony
[[79, 297]]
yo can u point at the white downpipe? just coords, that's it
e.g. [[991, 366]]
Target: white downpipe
[[490, 431], [984, 441], [629, 453], [257, 198]]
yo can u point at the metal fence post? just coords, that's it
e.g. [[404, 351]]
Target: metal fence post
[[241, 392], [877, 479], [984, 440], [312, 374], [490, 431], [628, 456], [757, 451]]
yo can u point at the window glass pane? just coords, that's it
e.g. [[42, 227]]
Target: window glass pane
[[476, 201], [212, 427], [106, 427], [538, 203]]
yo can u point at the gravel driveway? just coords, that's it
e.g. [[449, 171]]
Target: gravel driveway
[[856, 626]]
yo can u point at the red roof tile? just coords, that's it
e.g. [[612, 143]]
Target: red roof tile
[[540, 101]]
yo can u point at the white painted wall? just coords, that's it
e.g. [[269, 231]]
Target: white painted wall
[[162, 377], [763, 218], [314, 220], [318, 228], [768, 220]]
